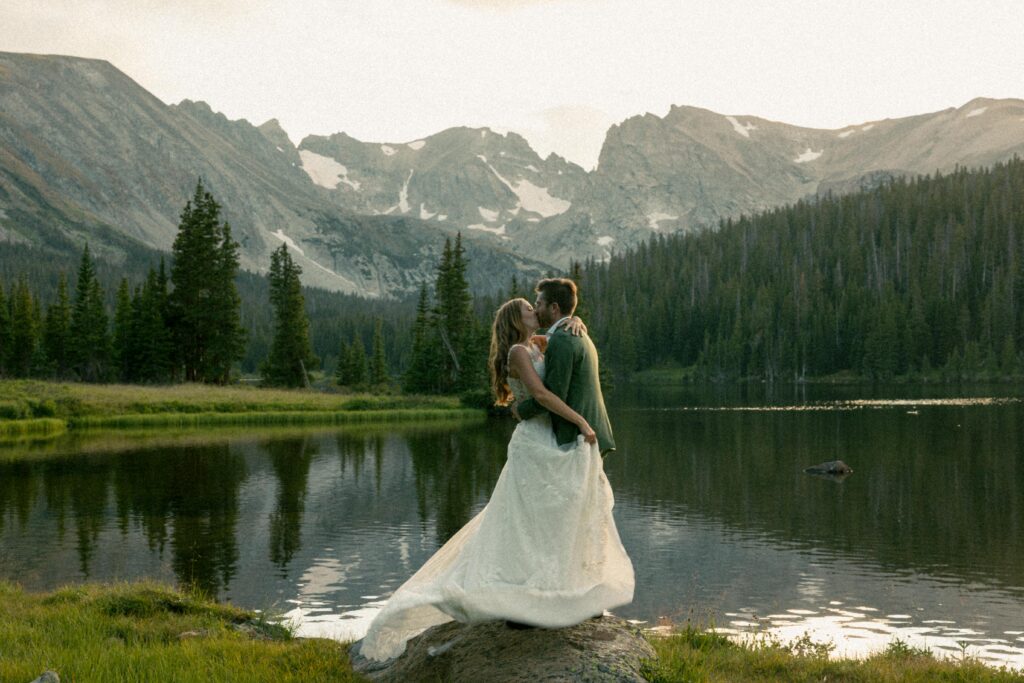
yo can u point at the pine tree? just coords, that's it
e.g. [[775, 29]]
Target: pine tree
[[123, 350], [150, 336], [89, 348], [5, 333], [352, 370], [204, 303], [23, 330], [290, 353], [57, 331], [454, 319], [418, 378], [378, 363]]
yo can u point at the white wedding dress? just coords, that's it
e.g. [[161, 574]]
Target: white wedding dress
[[544, 550]]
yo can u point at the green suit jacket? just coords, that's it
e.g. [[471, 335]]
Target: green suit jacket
[[572, 374]]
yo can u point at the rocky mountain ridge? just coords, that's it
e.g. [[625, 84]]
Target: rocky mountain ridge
[[87, 153]]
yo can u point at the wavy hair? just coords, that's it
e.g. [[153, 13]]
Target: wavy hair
[[507, 330]]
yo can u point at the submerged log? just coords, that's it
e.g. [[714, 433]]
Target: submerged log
[[599, 649]]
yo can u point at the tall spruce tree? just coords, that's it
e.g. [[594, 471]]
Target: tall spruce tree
[[123, 348], [150, 336], [454, 319], [24, 331], [291, 356], [89, 348], [57, 331], [5, 333], [205, 319], [378, 363], [419, 375]]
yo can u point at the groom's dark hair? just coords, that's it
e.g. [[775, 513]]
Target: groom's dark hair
[[559, 290]]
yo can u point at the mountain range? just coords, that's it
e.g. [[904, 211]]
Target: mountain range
[[88, 154]]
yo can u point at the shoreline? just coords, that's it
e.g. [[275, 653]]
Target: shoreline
[[39, 409], [100, 631]]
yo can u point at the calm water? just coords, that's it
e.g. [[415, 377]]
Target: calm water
[[925, 541]]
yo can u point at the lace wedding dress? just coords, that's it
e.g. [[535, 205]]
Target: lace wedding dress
[[544, 550]]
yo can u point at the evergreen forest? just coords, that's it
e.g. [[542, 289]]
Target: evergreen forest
[[921, 277]]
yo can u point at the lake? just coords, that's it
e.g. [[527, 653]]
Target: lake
[[924, 541]]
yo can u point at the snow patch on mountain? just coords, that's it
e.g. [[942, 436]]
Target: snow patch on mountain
[[976, 112], [487, 214], [416, 145], [847, 133], [867, 127], [289, 241], [424, 214], [808, 155], [403, 196], [325, 171], [742, 129], [531, 167], [605, 240], [531, 197], [279, 234], [655, 217], [388, 150]]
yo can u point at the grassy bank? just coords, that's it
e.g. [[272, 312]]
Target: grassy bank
[[36, 408], [697, 656], [147, 632]]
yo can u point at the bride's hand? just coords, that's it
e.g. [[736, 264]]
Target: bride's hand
[[575, 326], [588, 433], [540, 341]]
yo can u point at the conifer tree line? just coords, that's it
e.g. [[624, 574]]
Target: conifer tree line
[[449, 340], [185, 322], [919, 277], [182, 326]]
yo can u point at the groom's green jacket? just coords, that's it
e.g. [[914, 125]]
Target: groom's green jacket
[[571, 373]]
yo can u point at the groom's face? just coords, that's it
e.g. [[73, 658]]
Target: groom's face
[[547, 313]]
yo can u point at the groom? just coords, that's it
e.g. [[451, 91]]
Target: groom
[[571, 367]]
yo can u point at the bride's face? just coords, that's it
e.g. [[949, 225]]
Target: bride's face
[[529, 317]]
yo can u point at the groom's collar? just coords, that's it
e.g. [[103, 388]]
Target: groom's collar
[[557, 324]]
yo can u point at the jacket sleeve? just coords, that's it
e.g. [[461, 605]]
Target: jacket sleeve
[[559, 361]]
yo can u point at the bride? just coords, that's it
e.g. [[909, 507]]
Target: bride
[[544, 551]]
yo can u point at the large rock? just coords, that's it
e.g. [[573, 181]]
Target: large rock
[[601, 649]]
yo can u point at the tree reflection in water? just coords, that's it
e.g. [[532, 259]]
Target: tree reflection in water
[[290, 459]]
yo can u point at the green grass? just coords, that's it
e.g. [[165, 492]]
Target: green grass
[[30, 408], [32, 427], [698, 656], [148, 632]]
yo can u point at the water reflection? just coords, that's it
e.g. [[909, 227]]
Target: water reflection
[[290, 459], [712, 504]]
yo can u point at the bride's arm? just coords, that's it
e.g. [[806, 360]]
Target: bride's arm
[[523, 367]]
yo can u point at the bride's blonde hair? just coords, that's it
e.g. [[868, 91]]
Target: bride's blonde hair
[[508, 329]]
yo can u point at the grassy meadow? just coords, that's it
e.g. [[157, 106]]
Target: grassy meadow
[[31, 408]]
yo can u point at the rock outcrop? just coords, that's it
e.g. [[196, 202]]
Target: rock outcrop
[[598, 650]]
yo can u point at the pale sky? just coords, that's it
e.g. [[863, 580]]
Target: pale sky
[[557, 71]]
